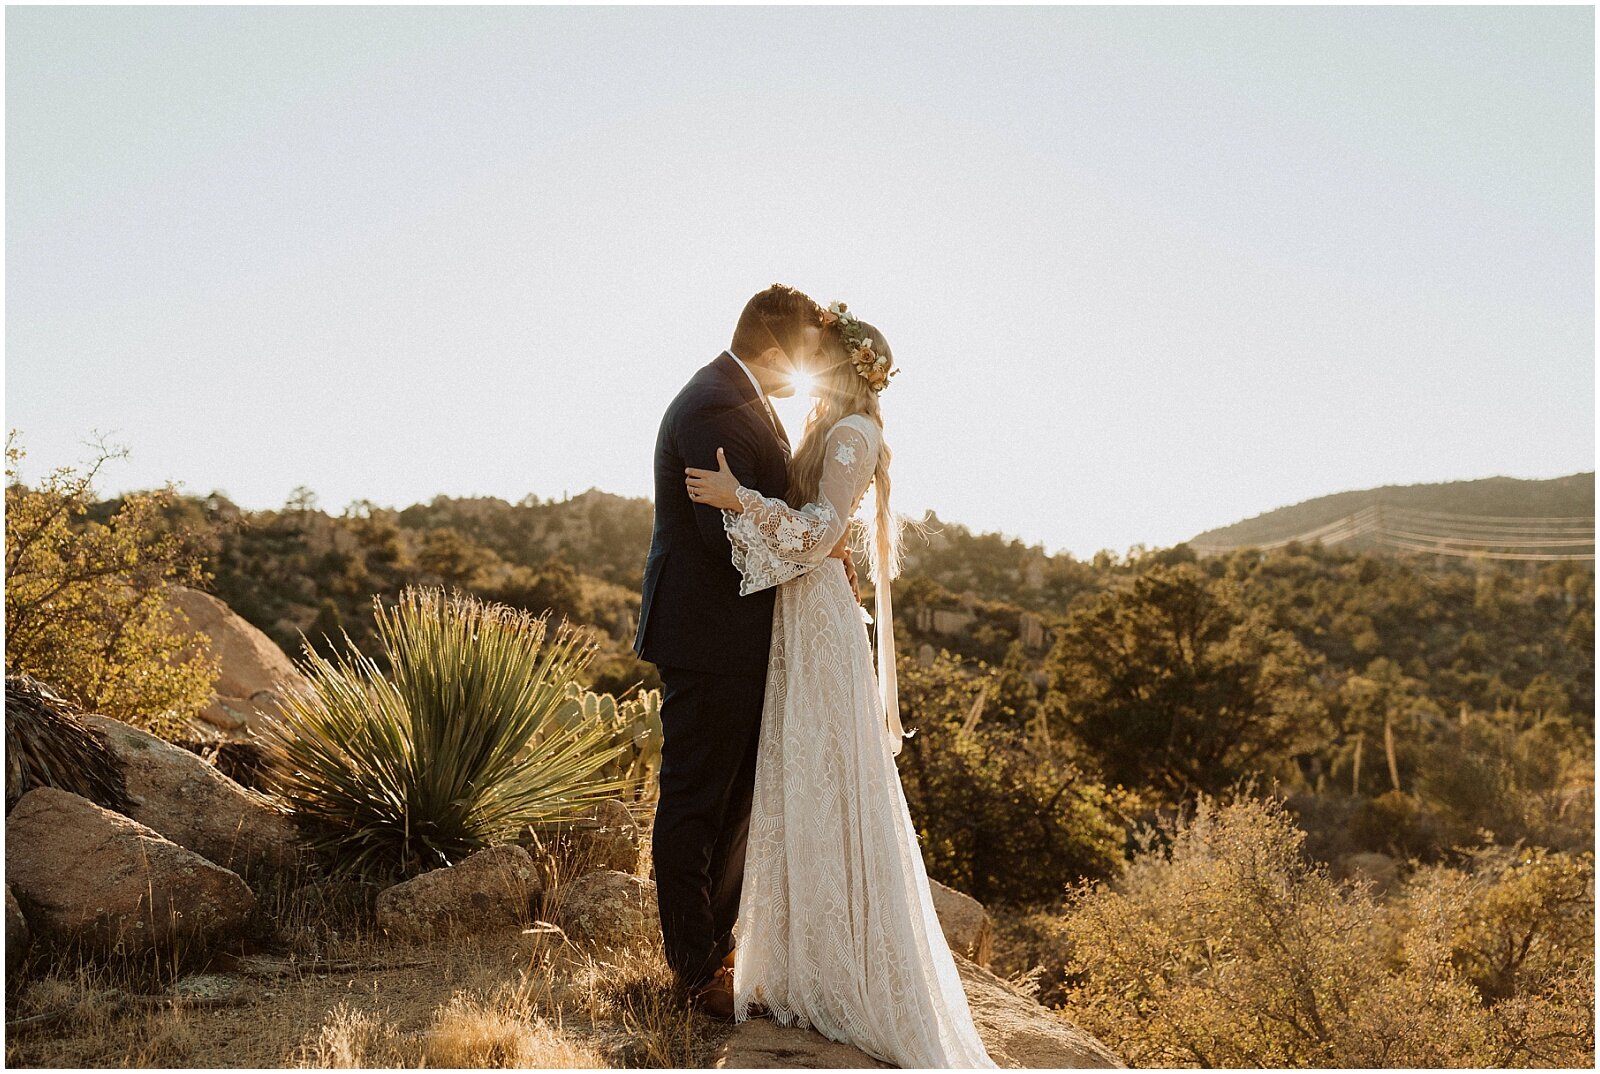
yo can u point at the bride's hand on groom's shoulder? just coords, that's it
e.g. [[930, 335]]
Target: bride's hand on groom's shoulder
[[714, 488]]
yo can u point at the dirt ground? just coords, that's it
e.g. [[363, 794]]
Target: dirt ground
[[517, 1000]]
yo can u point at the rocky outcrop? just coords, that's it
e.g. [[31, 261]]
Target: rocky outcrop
[[488, 892], [85, 874], [1016, 1031], [1020, 1033], [967, 926], [196, 806], [762, 1044], [16, 933], [1379, 870], [607, 908], [254, 673]]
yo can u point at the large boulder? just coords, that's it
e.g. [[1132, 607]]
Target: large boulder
[[607, 908], [196, 806], [16, 933], [85, 874], [1016, 1032], [255, 673], [1379, 870], [488, 892], [967, 925]]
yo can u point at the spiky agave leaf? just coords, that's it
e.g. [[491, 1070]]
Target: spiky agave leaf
[[452, 749], [635, 724], [46, 746]]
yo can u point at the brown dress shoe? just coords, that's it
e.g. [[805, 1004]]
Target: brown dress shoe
[[714, 999], [753, 1009]]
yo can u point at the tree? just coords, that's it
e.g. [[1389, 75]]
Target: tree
[[448, 557], [1170, 681], [553, 587]]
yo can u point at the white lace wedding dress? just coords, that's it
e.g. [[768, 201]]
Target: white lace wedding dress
[[836, 922]]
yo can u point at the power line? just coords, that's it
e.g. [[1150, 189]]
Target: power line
[[1503, 537], [1573, 519]]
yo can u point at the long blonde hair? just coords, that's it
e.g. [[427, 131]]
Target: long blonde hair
[[841, 392]]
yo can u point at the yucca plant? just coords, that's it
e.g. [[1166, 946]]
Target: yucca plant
[[46, 746], [454, 748]]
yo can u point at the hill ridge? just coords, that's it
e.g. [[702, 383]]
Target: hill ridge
[[1497, 517]]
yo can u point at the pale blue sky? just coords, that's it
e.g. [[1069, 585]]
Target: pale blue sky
[[1146, 270]]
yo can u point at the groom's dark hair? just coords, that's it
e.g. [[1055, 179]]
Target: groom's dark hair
[[774, 318]]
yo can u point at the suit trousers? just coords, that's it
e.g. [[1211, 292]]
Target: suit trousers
[[711, 727]]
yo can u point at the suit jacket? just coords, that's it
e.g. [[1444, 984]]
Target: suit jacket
[[691, 614]]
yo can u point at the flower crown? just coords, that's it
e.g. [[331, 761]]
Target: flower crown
[[871, 366]]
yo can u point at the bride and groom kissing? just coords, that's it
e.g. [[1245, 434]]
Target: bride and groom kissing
[[781, 806]]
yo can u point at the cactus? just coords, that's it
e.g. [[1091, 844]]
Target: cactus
[[635, 722], [644, 728]]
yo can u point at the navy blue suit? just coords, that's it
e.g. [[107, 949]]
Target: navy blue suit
[[710, 646]]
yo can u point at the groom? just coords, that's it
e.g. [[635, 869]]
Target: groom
[[709, 643]]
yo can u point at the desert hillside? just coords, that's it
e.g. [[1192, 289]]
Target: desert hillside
[[1308, 805], [1496, 517]]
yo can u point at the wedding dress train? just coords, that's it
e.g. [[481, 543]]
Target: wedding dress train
[[836, 922]]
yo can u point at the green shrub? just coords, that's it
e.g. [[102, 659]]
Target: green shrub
[[87, 600], [456, 746], [1222, 946], [1522, 919], [1522, 777], [1000, 815]]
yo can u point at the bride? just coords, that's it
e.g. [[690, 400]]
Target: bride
[[836, 922]]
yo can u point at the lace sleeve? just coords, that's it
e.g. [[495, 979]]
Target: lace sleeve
[[773, 542]]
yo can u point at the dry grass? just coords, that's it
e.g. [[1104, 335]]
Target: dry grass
[[352, 1039], [502, 1030], [534, 1002], [528, 1000], [663, 1031]]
